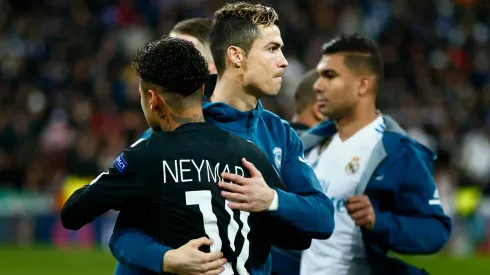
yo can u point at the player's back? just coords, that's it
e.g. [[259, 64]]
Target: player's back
[[183, 169]]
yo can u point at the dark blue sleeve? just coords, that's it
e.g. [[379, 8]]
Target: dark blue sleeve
[[134, 249], [304, 205], [417, 224]]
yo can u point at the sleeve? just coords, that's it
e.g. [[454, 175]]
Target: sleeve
[[281, 238], [417, 225], [304, 206], [134, 249], [113, 189]]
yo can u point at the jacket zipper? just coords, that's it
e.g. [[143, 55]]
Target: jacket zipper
[[249, 121]]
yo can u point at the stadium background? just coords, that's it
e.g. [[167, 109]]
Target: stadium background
[[69, 104]]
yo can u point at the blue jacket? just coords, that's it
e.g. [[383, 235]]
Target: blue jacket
[[399, 183], [305, 206]]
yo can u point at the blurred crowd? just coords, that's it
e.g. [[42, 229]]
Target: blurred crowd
[[69, 102]]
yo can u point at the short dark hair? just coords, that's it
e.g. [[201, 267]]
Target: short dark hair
[[200, 28], [237, 25], [360, 53], [173, 64], [305, 95]]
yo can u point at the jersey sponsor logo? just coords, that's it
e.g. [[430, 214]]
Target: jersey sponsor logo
[[353, 166], [120, 163], [277, 157]]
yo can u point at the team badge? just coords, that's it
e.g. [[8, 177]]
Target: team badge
[[277, 156], [353, 166]]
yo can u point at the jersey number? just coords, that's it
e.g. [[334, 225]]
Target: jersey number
[[203, 199]]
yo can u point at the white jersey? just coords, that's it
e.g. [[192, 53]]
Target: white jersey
[[339, 168]]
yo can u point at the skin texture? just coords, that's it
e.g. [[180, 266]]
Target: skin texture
[[161, 116]]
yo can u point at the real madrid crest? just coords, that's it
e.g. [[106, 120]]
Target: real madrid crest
[[277, 157], [352, 166]]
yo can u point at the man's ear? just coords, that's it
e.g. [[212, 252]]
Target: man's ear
[[236, 56], [157, 102], [365, 84]]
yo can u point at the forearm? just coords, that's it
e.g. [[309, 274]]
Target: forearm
[[133, 248], [79, 210], [311, 213], [411, 235]]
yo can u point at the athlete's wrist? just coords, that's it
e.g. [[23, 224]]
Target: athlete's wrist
[[167, 261]]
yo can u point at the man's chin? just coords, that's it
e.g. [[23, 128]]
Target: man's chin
[[274, 92]]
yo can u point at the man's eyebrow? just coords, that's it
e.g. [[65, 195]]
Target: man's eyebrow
[[275, 43]]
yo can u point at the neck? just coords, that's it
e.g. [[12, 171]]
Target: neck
[[172, 120], [230, 90], [348, 125], [305, 119]]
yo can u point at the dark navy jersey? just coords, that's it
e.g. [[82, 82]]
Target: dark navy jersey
[[166, 186]]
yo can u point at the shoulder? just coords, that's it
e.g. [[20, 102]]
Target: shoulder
[[274, 120], [285, 135], [400, 144], [279, 125], [136, 152]]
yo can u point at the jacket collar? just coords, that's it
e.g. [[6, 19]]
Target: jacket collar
[[231, 118]]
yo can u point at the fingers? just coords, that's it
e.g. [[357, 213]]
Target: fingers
[[356, 203], [234, 197], [237, 179], [360, 214], [362, 221], [355, 199], [211, 256], [356, 206], [235, 188], [213, 266], [196, 243], [251, 168], [239, 206]]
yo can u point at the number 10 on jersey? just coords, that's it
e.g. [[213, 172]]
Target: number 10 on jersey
[[203, 200]]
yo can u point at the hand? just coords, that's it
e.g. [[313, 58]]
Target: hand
[[247, 194], [188, 259], [361, 210]]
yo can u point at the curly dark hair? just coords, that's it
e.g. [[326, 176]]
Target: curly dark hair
[[173, 64], [237, 24]]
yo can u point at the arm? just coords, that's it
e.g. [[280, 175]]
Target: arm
[[304, 206], [110, 190], [289, 237], [418, 224], [133, 248]]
